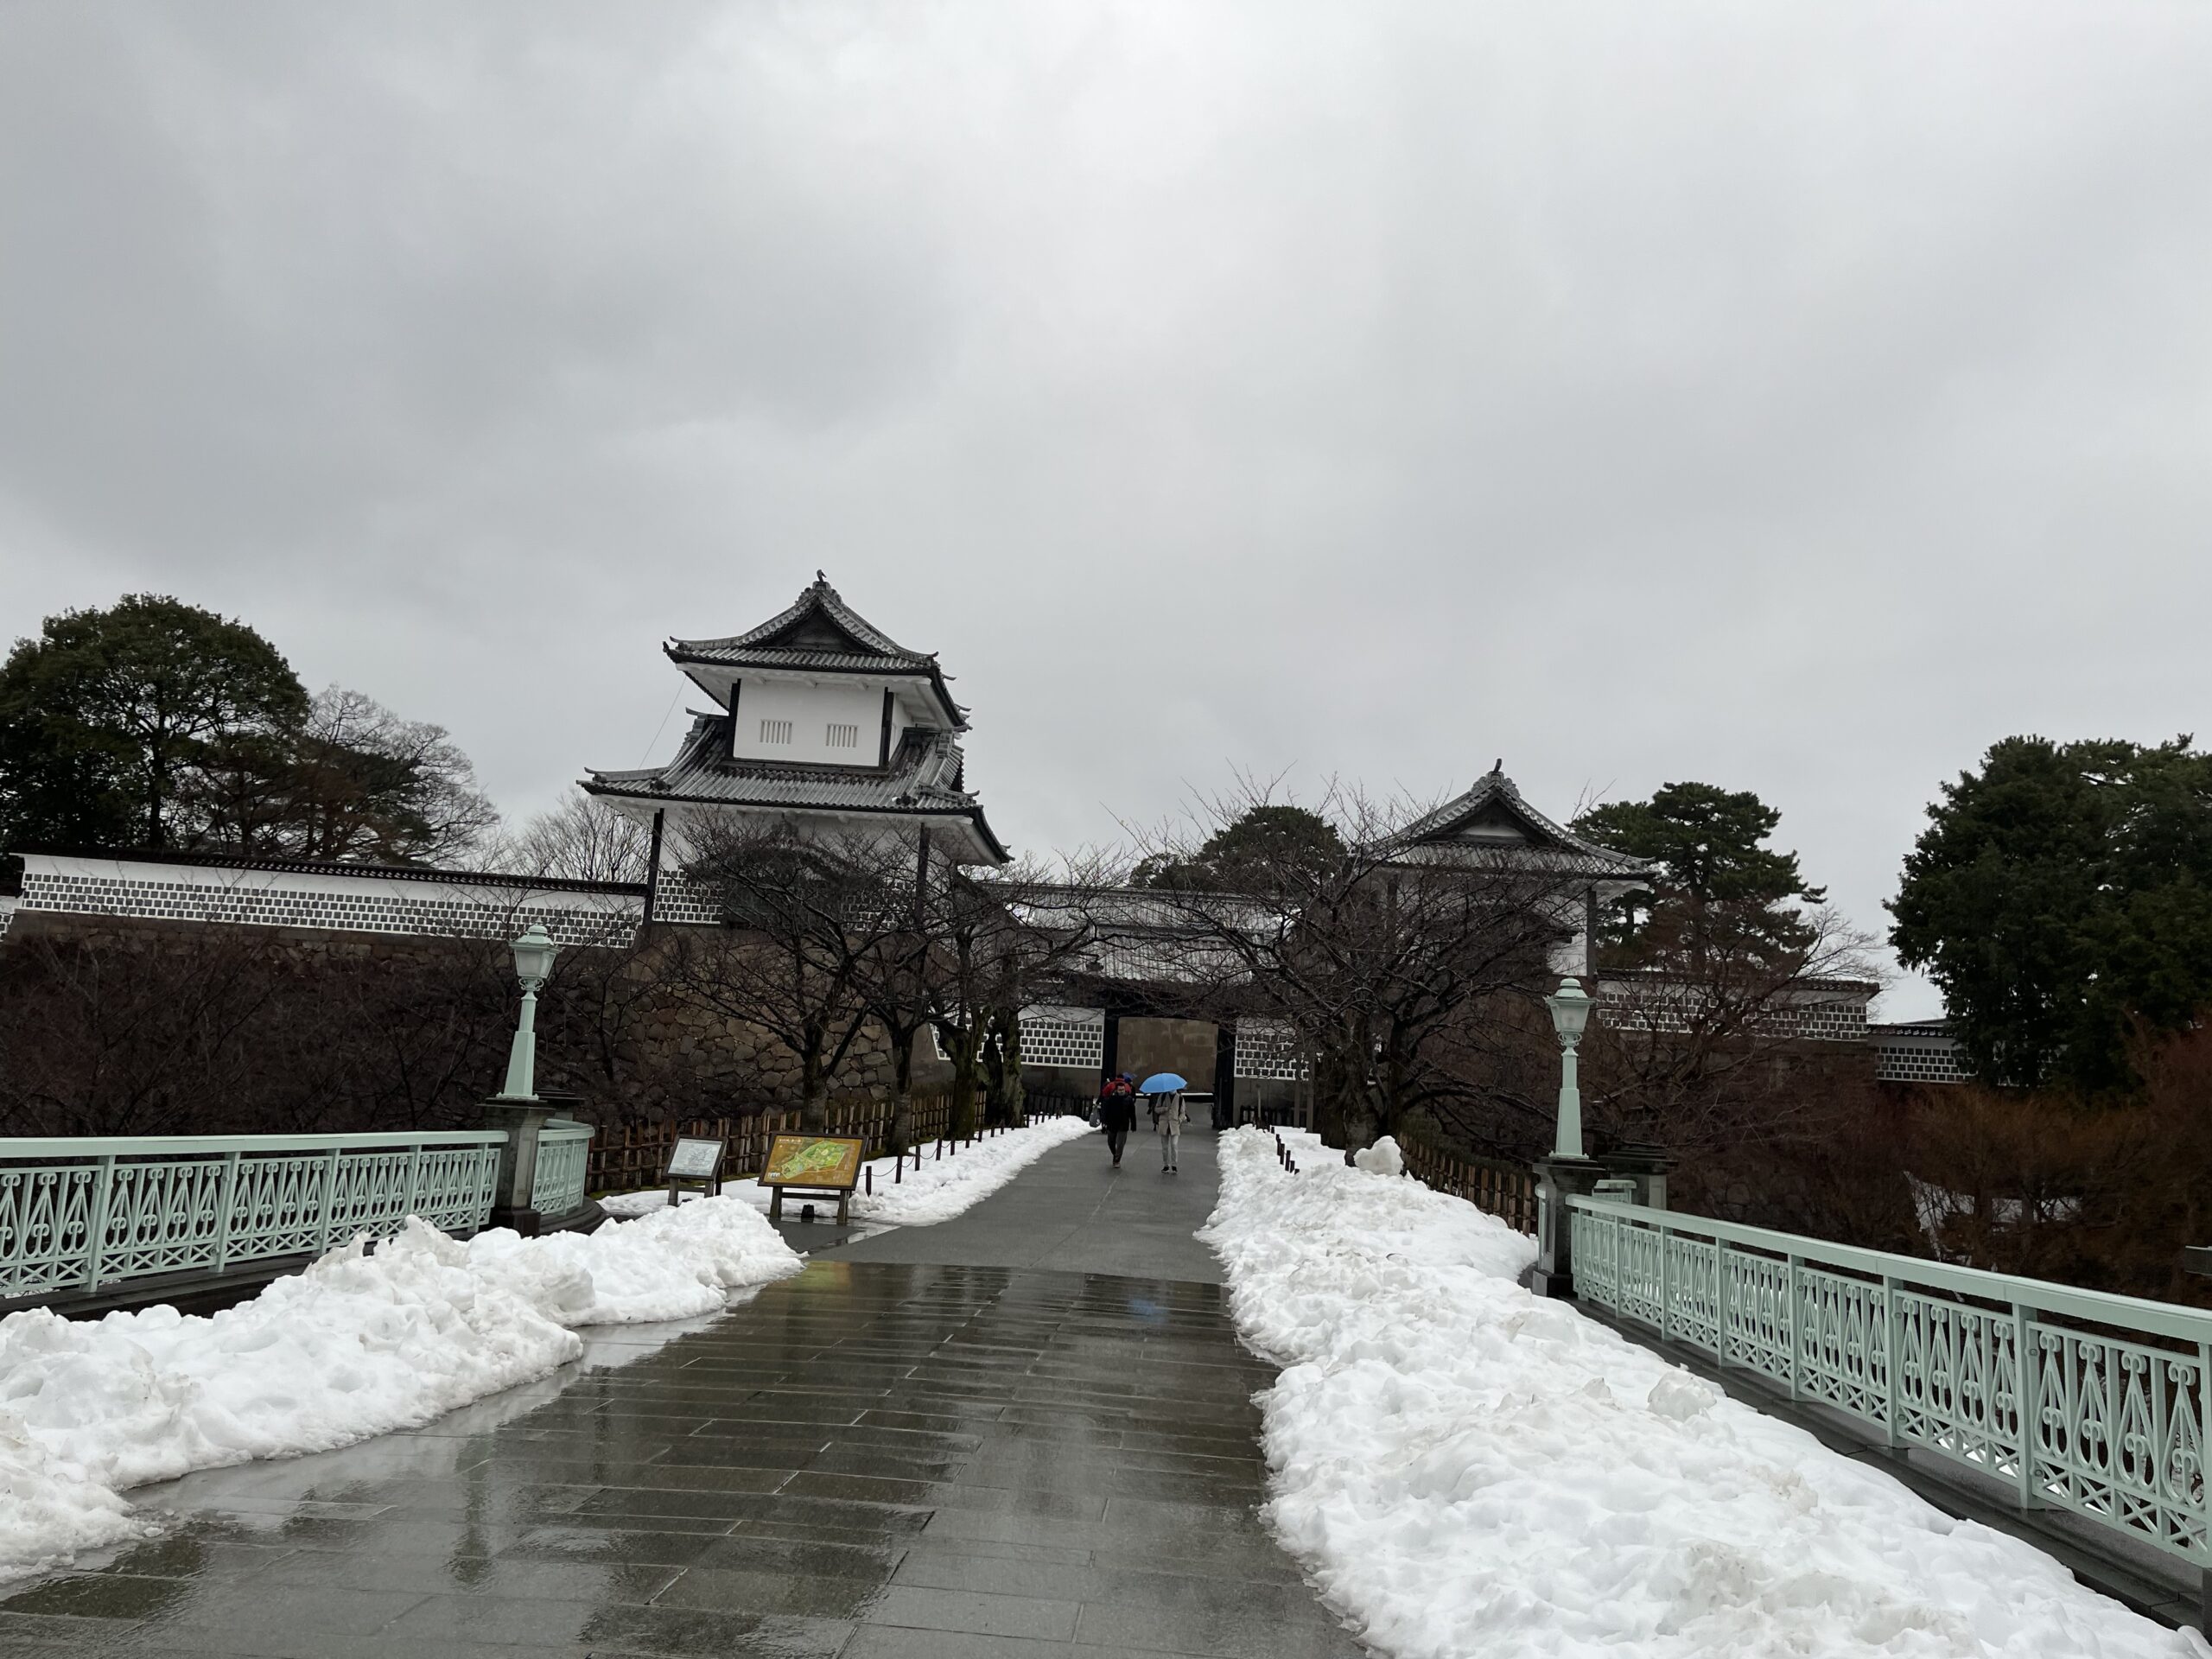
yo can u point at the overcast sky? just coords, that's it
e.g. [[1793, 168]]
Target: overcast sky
[[1797, 398]]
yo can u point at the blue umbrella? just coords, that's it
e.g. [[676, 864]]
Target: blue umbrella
[[1161, 1082]]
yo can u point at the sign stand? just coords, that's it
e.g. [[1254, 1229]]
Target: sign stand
[[693, 1162], [813, 1166]]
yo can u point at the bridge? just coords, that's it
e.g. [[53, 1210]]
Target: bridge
[[1030, 1428], [1027, 1430]]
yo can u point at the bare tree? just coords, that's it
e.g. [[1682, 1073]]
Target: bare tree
[[583, 839], [896, 978], [105, 1035], [1004, 942], [1371, 950], [1702, 1055], [351, 780], [804, 916]]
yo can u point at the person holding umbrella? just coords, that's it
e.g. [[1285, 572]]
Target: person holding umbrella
[[1165, 1090]]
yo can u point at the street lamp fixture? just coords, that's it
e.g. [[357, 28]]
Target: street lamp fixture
[[1570, 1006], [533, 962]]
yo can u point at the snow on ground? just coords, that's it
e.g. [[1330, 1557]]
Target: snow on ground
[[356, 1345], [1469, 1469], [938, 1190]]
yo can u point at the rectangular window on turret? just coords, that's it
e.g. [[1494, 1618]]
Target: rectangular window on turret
[[775, 731], [842, 737]]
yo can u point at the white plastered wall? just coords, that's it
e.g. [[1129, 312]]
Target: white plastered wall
[[803, 715]]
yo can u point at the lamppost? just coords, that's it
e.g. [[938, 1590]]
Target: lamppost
[[1567, 1173], [1570, 1006], [533, 962]]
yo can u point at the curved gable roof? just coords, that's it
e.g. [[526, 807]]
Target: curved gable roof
[[820, 634], [1493, 816]]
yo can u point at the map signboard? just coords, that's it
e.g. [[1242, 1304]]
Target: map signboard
[[832, 1162]]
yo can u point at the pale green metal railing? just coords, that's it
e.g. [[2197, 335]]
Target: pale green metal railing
[[2107, 1418], [556, 1184], [79, 1213]]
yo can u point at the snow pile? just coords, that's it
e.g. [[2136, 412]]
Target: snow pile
[[356, 1345], [938, 1190], [1469, 1469], [1384, 1158]]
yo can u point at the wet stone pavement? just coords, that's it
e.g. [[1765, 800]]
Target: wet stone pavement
[[872, 1458]]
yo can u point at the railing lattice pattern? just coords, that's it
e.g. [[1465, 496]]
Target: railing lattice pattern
[[77, 1214], [2076, 1400]]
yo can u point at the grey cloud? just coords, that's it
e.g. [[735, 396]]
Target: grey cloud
[[1797, 397]]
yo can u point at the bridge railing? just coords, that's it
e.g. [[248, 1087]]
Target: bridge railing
[[76, 1214], [556, 1184], [2077, 1399]]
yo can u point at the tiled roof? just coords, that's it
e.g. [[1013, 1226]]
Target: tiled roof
[[280, 866], [835, 662], [820, 632], [924, 778], [818, 600], [1496, 790]]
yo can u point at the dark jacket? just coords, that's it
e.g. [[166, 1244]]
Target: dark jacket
[[1117, 1110]]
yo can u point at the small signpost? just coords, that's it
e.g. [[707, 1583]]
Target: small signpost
[[694, 1162], [813, 1166]]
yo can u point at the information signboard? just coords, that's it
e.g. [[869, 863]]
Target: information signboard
[[695, 1160], [829, 1164]]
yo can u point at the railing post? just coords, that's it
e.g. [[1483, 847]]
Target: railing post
[[1558, 1179], [1791, 1327], [2027, 1389], [223, 1216], [2205, 1486], [413, 1182], [1666, 1306], [1892, 1360], [1721, 1301], [329, 1194], [96, 1231]]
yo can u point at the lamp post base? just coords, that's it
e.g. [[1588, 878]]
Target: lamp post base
[[534, 1224], [1557, 1180]]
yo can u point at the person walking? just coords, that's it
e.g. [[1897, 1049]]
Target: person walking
[[1117, 1115], [1172, 1117]]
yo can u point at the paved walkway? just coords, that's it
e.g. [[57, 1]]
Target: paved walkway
[[1071, 1211], [1023, 1446]]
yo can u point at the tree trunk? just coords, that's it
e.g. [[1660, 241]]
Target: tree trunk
[[1344, 1097], [902, 1105], [1328, 1098], [813, 1108], [961, 1109], [1006, 1108]]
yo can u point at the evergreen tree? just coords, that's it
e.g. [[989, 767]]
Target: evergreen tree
[[154, 724], [2061, 896], [106, 715], [1253, 851], [1723, 895]]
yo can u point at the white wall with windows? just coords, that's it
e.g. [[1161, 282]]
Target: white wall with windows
[[838, 723]]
